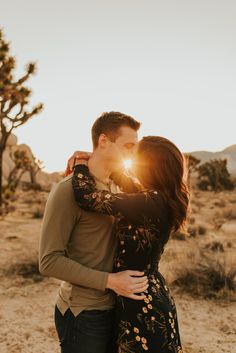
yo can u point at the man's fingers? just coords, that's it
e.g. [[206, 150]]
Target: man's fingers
[[135, 273], [140, 288], [139, 280]]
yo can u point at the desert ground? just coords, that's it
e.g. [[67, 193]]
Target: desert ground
[[198, 265]]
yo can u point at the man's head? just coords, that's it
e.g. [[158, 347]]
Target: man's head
[[114, 135]]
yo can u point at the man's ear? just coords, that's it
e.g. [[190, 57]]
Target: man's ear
[[102, 141]]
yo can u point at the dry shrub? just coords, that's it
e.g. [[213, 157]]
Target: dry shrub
[[218, 220], [29, 271], [197, 230], [220, 203], [202, 230], [211, 276], [198, 203], [192, 231], [229, 214], [38, 213], [215, 246], [191, 220], [179, 235]]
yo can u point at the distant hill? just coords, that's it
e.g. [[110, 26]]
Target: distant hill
[[228, 153]]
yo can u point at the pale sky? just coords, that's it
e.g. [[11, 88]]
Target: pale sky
[[169, 64]]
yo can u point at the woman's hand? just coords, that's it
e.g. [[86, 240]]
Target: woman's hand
[[77, 157]]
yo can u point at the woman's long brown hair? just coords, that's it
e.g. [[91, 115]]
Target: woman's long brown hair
[[163, 167]]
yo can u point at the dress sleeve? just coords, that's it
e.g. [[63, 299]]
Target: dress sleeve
[[125, 182], [132, 206]]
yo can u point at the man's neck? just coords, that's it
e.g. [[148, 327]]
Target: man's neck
[[98, 167]]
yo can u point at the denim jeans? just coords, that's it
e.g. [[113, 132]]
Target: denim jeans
[[92, 331]]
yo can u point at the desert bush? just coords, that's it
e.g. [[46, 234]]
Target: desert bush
[[215, 246], [27, 270], [192, 231], [26, 186], [209, 277], [191, 220], [198, 203], [214, 175], [220, 203], [196, 230], [218, 220], [229, 214], [38, 213], [179, 235], [202, 230]]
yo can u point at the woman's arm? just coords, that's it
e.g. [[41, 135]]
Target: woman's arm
[[131, 206], [125, 182]]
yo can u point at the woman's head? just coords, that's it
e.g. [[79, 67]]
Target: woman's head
[[160, 165]]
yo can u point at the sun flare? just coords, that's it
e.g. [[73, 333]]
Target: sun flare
[[128, 163]]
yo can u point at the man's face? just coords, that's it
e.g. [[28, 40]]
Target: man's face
[[123, 148]]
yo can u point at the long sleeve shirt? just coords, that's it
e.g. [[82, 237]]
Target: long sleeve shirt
[[78, 248]]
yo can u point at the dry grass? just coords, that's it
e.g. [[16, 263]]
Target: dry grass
[[215, 246], [229, 214], [29, 271], [210, 276], [38, 213], [218, 220], [220, 203]]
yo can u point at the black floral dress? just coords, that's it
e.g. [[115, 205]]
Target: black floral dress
[[142, 230]]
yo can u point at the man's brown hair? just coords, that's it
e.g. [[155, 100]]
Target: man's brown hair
[[109, 123]]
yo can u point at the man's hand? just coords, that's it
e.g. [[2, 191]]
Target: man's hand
[[128, 284], [74, 159]]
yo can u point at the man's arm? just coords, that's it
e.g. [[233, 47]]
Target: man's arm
[[59, 220]]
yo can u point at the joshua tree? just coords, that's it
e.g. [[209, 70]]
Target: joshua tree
[[35, 167], [14, 98], [214, 175], [22, 165], [193, 162], [192, 165]]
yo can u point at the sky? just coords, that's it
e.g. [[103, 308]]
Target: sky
[[170, 64]]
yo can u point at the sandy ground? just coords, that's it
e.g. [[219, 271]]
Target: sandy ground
[[27, 302]]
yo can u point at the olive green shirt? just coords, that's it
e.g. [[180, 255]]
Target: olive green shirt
[[77, 247]]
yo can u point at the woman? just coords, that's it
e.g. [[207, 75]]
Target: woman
[[145, 220]]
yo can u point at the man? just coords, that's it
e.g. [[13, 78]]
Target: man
[[78, 247]]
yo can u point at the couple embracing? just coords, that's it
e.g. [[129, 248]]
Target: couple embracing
[[103, 234]]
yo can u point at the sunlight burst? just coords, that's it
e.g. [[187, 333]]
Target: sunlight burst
[[128, 163]]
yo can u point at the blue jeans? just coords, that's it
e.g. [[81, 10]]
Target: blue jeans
[[92, 331]]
